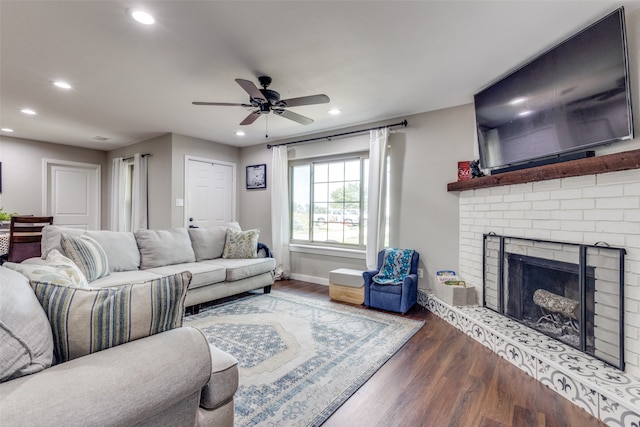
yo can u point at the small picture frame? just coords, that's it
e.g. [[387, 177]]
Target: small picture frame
[[256, 177]]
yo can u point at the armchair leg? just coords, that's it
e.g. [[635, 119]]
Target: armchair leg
[[267, 289]]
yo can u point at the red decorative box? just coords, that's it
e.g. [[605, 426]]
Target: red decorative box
[[464, 171]]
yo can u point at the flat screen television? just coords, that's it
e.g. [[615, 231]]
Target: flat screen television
[[573, 97]]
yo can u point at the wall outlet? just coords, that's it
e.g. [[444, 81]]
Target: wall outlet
[[420, 273]]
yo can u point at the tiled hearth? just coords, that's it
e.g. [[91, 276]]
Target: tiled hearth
[[601, 390]]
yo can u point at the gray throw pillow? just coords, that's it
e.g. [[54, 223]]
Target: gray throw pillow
[[164, 247], [208, 243], [25, 335], [121, 249]]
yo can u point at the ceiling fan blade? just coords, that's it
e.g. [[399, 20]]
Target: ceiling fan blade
[[294, 116], [251, 89], [223, 104], [252, 117], [306, 100]]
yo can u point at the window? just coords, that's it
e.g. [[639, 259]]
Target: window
[[328, 201]]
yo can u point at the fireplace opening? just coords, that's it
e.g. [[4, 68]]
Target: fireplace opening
[[571, 292], [545, 295]]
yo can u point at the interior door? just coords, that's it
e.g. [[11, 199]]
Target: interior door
[[210, 193], [72, 194]]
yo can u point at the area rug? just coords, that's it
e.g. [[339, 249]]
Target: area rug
[[300, 358]]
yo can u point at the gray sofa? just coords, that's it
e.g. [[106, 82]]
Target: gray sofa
[[149, 254], [172, 378]]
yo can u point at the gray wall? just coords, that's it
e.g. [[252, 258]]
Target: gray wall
[[22, 172], [424, 215], [187, 146], [159, 169]]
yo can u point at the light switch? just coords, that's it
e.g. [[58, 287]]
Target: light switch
[[179, 202]]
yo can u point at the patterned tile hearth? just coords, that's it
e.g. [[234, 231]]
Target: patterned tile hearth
[[606, 393]]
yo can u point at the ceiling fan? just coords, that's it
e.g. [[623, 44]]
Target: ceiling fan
[[266, 100]]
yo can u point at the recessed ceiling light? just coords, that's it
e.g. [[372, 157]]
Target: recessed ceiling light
[[9, 130], [334, 111], [141, 16], [28, 111], [61, 84], [240, 133]]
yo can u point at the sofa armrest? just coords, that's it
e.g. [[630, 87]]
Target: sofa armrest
[[119, 386]]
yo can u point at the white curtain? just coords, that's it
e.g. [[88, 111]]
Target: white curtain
[[376, 209], [280, 211], [139, 209], [118, 193]]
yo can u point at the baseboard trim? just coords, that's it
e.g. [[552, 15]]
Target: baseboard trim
[[312, 279]]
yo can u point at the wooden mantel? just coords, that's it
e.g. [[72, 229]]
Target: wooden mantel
[[588, 166]]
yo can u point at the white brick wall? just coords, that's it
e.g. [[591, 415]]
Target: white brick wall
[[586, 209]]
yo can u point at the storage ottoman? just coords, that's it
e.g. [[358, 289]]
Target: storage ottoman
[[346, 285]]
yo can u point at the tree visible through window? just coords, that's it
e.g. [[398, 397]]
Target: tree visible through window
[[328, 201]]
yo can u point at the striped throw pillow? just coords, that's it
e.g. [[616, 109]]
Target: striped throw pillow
[[87, 254], [87, 320]]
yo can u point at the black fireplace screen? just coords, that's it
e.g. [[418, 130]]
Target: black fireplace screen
[[571, 292]]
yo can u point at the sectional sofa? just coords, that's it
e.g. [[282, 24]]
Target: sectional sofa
[[70, 357], [223, 260]]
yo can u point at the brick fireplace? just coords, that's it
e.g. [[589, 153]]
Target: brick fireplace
[[585, 209]]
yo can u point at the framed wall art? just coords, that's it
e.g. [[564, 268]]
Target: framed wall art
[[256, 177]]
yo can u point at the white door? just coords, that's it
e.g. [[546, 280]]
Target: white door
[[209, 193], [72, 193]]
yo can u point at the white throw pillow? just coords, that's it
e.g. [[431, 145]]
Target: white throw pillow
[[64, 273]]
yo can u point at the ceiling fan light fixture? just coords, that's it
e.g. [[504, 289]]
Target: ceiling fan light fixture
[[141, 16]]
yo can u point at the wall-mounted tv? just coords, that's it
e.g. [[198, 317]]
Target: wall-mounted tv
[[573, 97]]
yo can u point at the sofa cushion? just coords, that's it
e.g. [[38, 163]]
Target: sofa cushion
[[119, 278], [208, 243], [238, 269], [85, 321], [51, 238], [241, 244], [202, 274], [25, 334], [121, 248], [55, 269], [87, 254], [164, 247]]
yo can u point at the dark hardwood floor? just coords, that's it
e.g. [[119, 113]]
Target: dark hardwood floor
[[442, 378]]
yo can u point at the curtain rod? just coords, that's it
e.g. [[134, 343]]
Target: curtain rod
[[402, 123], [142, 155]]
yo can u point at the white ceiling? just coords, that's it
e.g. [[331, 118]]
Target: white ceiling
[[376, 60]]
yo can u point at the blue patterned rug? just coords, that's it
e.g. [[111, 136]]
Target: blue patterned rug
[[300, 359]]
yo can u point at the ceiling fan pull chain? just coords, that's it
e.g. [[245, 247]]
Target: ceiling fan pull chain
[[266, 127]]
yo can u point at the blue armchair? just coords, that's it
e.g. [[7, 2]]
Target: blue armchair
[[398, 297]]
